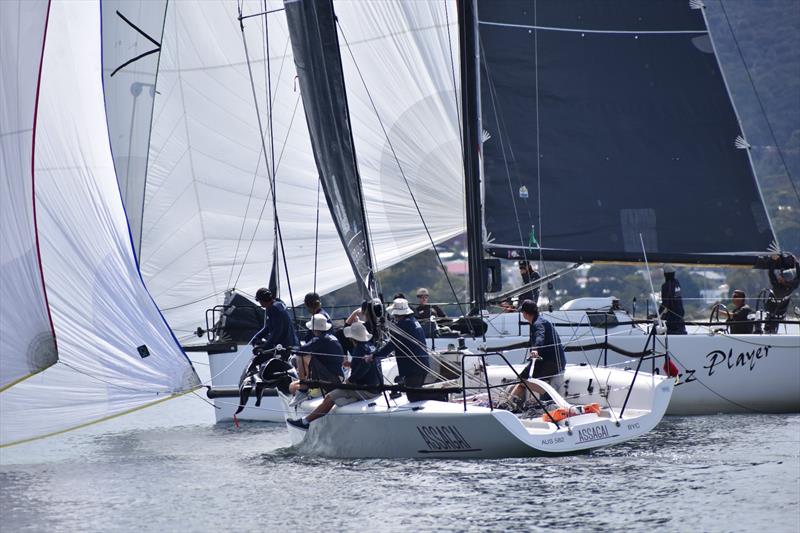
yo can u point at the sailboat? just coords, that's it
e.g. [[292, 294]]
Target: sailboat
[[614, 138], [544, 154]]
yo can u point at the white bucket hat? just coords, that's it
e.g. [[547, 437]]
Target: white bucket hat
[[357, 331], [668, 269], [400, 307], [318, 322]]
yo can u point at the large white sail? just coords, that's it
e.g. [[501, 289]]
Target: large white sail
[[26, 337], [208, 210], [116, 352], [208, 222], [401, 69]]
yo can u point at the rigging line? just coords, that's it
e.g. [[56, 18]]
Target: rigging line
[[538, 149], [264, 147], [453, 73], [316, 236], [268, 73], [264, 205], [582, 30], [760, 103], [400, 167]]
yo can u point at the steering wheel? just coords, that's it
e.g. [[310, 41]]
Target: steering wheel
[[715, 313]]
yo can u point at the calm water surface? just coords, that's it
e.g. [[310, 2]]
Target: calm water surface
[[169, 468]]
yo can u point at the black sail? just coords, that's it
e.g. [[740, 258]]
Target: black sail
[[610, 120], [312, 26]]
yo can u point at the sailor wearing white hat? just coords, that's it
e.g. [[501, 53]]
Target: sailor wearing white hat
[[407, 341], [364, 371], [320, 359]]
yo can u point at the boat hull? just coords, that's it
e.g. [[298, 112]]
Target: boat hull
[[432, 429], [719, 373]]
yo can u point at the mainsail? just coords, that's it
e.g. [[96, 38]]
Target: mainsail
[[116, 353], [312, 28], [610, 121]]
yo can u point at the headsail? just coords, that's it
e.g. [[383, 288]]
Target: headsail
[[26, 335], [116, 353], [609, 121]]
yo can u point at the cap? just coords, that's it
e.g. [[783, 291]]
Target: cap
[[422, 292]]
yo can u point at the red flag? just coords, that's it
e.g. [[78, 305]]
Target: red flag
[[670, 369]]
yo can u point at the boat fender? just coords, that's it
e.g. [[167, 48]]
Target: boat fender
[[563, 413]]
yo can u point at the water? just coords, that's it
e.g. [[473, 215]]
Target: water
[[169, 468]]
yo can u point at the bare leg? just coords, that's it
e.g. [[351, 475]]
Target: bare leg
[[321, 410], [520, 388]]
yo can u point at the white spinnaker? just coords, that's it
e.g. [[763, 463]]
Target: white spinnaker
[[26, 336], [102, 314], [410, 68], [128, 27]]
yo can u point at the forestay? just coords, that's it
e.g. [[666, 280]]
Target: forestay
[[26, 336], [609, 121], [116, 353]]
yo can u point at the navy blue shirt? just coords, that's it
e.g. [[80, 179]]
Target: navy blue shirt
[[362, 372], [545, 340], [327, 351], [277, 329], [408, 347], [672, 303]]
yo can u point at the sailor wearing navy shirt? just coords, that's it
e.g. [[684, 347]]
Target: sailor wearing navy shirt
[[321, 359], [407, 341], [671, 308], [278, 328], [364, 371]]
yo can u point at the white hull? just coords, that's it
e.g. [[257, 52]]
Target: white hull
[[226, 369], [432, 429], [720, 373]]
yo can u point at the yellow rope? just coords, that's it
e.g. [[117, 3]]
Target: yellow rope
[[86, 424]]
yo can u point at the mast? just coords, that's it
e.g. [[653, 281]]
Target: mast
[[471, 139]]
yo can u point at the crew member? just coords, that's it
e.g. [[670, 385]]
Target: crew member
[[407, 341], [313, 305], [321, 359], [364, 372], [278, 329], [739, 321], [546, 354], [671, 308], [427, 313], [528, 275]]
